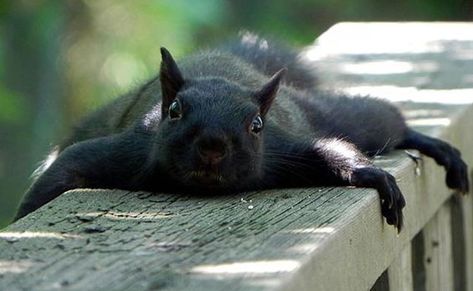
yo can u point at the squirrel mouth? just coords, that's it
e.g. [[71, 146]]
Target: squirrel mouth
[[207, 177]]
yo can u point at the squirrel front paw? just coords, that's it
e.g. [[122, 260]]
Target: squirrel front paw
[[392, 200]]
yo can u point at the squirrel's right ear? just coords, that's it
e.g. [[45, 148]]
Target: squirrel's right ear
[[170, 77], [266, 95]]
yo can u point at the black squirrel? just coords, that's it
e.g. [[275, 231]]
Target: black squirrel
[[218, 122]]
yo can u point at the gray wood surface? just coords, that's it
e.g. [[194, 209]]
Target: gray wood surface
[[298, 239], [438, 252], [400, 271]]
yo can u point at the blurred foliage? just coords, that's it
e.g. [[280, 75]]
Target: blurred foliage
[[59, 59]]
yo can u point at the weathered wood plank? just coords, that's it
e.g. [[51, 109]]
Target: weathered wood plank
[[438, 258], [298, 239], [133, 235], [466, 203], [468, 231], [459, 242], [400, 271]]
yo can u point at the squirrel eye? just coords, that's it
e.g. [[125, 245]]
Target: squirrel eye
[[256, 125], [175, 110]]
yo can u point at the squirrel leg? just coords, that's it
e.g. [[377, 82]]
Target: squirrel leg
[[335, 162], [349, 166], [105, 162], [444, 154]]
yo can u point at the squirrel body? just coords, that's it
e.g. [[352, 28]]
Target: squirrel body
[[225, 120]]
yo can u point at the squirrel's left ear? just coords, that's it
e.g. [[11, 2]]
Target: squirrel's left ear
[[266, 95], [170, 77]]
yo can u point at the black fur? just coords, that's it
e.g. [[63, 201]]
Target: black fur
[[221, 126], [269, 56]]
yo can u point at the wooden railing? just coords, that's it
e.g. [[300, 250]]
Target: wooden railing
[[298, 239]]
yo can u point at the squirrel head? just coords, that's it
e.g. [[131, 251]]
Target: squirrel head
[[211, 131]]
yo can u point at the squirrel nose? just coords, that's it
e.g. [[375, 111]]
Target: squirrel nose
[[211, 156], [212, 153]]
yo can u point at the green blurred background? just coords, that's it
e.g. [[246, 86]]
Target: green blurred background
[[60, 59]]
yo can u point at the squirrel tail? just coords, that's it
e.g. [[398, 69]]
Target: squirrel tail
[[269, 56]]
